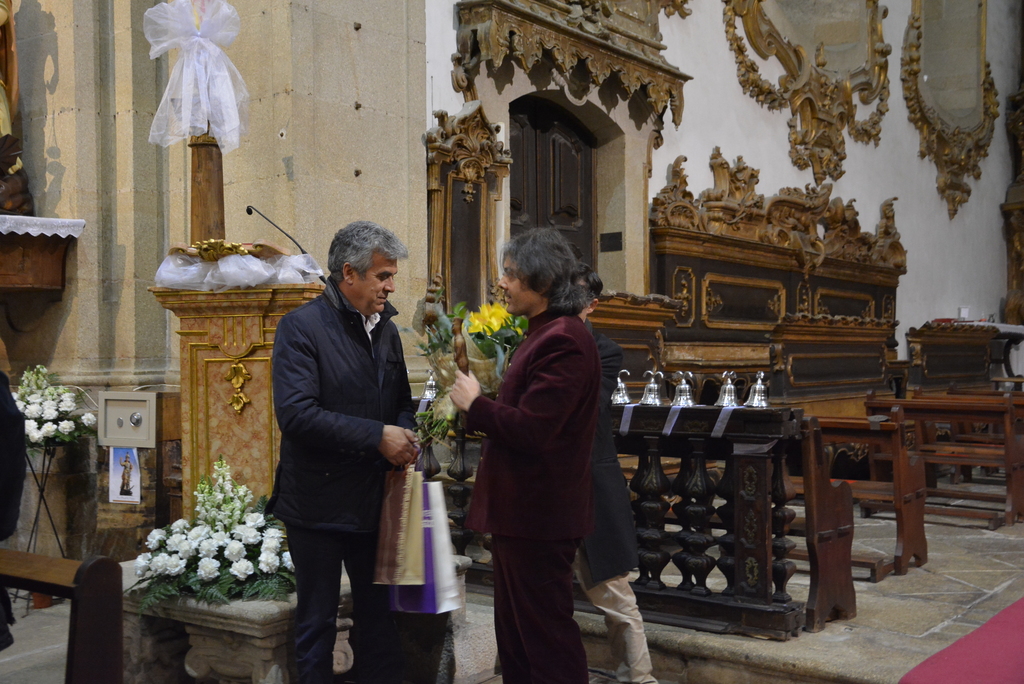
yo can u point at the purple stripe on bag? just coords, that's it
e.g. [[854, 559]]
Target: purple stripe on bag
[[419, 598]]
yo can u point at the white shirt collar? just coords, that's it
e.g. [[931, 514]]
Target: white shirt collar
[[370, 322]]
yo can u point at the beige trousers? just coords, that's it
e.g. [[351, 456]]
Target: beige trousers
[[626, 638]]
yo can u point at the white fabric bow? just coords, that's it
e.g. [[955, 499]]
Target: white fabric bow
[[205, 88]]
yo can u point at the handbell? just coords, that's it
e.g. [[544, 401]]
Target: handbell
[[684, 390], [758, 393], [620, 396], [652, 390], [727, 397], [430, 387]]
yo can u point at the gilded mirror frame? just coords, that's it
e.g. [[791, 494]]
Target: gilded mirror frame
[[820, 100], [956, 152]]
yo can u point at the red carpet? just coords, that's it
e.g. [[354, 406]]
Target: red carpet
[[991, 654]]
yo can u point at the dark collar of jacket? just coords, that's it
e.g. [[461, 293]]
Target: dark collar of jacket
[[337, 300], [539, 321]]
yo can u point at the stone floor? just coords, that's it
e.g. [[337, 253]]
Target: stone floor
[[971, 574]]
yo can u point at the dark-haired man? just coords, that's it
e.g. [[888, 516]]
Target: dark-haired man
[[533, 489], [343, 402]]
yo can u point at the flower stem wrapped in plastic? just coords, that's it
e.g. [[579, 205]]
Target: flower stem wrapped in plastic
[[481, 341]]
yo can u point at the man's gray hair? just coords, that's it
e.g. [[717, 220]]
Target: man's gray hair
[[542, 258], [356, 244]]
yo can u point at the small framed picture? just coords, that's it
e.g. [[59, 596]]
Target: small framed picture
[[125, 479]]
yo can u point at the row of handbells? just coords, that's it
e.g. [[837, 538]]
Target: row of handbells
[[758, 397]]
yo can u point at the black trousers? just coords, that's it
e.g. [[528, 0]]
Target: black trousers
[[538, 640], [318, 557]]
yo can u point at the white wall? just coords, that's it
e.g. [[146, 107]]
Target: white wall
[[951, 263]]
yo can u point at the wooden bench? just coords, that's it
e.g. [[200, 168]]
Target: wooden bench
[[903, 491], [1005, 450], [95, 644]]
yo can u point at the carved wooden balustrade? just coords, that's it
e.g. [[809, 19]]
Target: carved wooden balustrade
[[748, 505]]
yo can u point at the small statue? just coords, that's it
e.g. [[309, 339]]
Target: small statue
[[14, 193]]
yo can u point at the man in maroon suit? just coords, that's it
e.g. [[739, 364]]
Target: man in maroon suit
[[533, 489]]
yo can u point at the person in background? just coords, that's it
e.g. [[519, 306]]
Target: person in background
[[344, 406], [12, 480], [608, 554], [533, 491]]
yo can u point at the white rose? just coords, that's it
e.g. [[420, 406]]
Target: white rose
[[208, 569], [255, 520], [273, 533], [35, 398], [269, 562], [159, 563], [208, 548], [36, 437], [67, 402], [174, 540], [33, 411], [241, 568], [154, 539], [49, 405], [179, 525], [50, 414], [199, 533], [175, 565], [31, 426], [221, 537], [286, 560], [48, 430], [142, 564], [270, 544], [20, 404], [234, 550], [66, 427], [88, 419]]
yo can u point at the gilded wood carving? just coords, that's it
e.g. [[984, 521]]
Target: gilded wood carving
[[956, 150], [603, 37], [792, 218], [820, 98], [464, 149]]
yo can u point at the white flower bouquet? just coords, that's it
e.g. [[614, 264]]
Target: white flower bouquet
[[51, 411], [230, 550]]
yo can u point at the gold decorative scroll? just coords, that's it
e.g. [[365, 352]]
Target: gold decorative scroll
[[237, 375], [820, 99], [468, 144], [956, 151], [675, 7], [604, 38], [789, 219]]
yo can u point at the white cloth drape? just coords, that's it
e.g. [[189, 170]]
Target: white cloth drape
[[204, 85]]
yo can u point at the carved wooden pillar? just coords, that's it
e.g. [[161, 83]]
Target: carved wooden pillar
[[1013, 214], [207, 221], [227, 339]]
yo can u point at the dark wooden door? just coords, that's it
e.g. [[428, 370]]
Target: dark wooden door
[[552, 174]]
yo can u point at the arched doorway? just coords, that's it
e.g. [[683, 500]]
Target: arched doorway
[[552, 174]]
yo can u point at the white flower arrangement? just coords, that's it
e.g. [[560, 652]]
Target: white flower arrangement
[[51, 411], [230, 550]]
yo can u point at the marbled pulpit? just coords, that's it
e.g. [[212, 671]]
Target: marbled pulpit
[[227, 402]]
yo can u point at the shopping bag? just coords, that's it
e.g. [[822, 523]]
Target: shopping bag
[[400, 541], [440, 592]]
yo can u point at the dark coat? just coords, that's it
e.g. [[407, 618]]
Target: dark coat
[[534, 480], [611, 548], [333, 396], [12, 459]]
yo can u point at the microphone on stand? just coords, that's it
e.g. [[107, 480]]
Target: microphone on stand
[[249, 209]]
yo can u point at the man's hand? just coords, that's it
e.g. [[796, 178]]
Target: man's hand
[[398, 445], [465, 390]]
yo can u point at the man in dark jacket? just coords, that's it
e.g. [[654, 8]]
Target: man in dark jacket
[[533, 490], [12, 479], [344, 406], [608, 553]]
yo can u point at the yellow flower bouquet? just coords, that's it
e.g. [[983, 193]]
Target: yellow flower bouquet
[[480, 341]]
